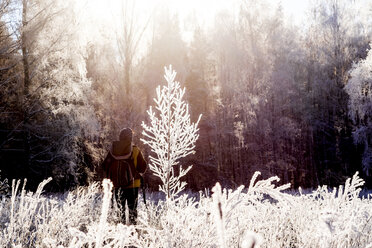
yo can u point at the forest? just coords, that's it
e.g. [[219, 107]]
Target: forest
[[285, 96]]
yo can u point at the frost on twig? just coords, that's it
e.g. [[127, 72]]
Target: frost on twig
[[4, 186], [261, 187], [227, 203], [170, 134]]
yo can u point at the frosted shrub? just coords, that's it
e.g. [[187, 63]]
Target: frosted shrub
[[184, 222], [234, 210], [71, 220], [262, 215], [170, 135], [25, 213], [102, 233]]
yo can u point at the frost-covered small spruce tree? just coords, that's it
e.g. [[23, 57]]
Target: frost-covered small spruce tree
[[170, 135]]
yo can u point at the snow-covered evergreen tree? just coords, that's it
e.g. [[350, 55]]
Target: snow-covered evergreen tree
[[171, 135], [359, 89]]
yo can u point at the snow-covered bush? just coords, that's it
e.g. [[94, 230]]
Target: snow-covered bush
[[75, 219], [262, 215], [171, 135]]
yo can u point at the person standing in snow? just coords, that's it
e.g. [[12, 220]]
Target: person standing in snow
[[124, 165]]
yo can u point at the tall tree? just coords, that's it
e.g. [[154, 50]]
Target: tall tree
[[166, 47], [332, 45], [57, 120], [133, 25], [359, 89], [199, 91]]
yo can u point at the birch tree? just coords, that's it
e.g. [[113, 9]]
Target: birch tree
[[170, 135]]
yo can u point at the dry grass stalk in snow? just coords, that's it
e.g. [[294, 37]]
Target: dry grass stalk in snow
[[260, 216]]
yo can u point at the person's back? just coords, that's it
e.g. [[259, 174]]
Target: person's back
[[124, 166]]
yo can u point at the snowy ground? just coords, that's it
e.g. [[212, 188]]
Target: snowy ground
[[261, 214]]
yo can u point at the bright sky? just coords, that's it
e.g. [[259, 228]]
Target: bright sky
[[295, 9], [106, 14], [203, 10]]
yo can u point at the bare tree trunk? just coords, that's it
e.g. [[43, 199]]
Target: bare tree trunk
[[26, 83], [26, 67], [127, 68]]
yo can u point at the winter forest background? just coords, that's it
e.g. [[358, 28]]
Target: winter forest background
[[280, 92]]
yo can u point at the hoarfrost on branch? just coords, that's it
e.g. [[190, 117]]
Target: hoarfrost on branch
[[170, 135]]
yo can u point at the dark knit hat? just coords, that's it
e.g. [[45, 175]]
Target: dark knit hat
[[126, 134], [123, 147]]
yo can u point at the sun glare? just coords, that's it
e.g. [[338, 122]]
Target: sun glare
[[204, 11], [107, 15], [295, 9]]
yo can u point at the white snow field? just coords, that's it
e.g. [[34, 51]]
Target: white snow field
[[261, 215]]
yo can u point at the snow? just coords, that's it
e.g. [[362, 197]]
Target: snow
[[263, 215]]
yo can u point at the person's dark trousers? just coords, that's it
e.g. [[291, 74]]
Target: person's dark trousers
[[131, 197]]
